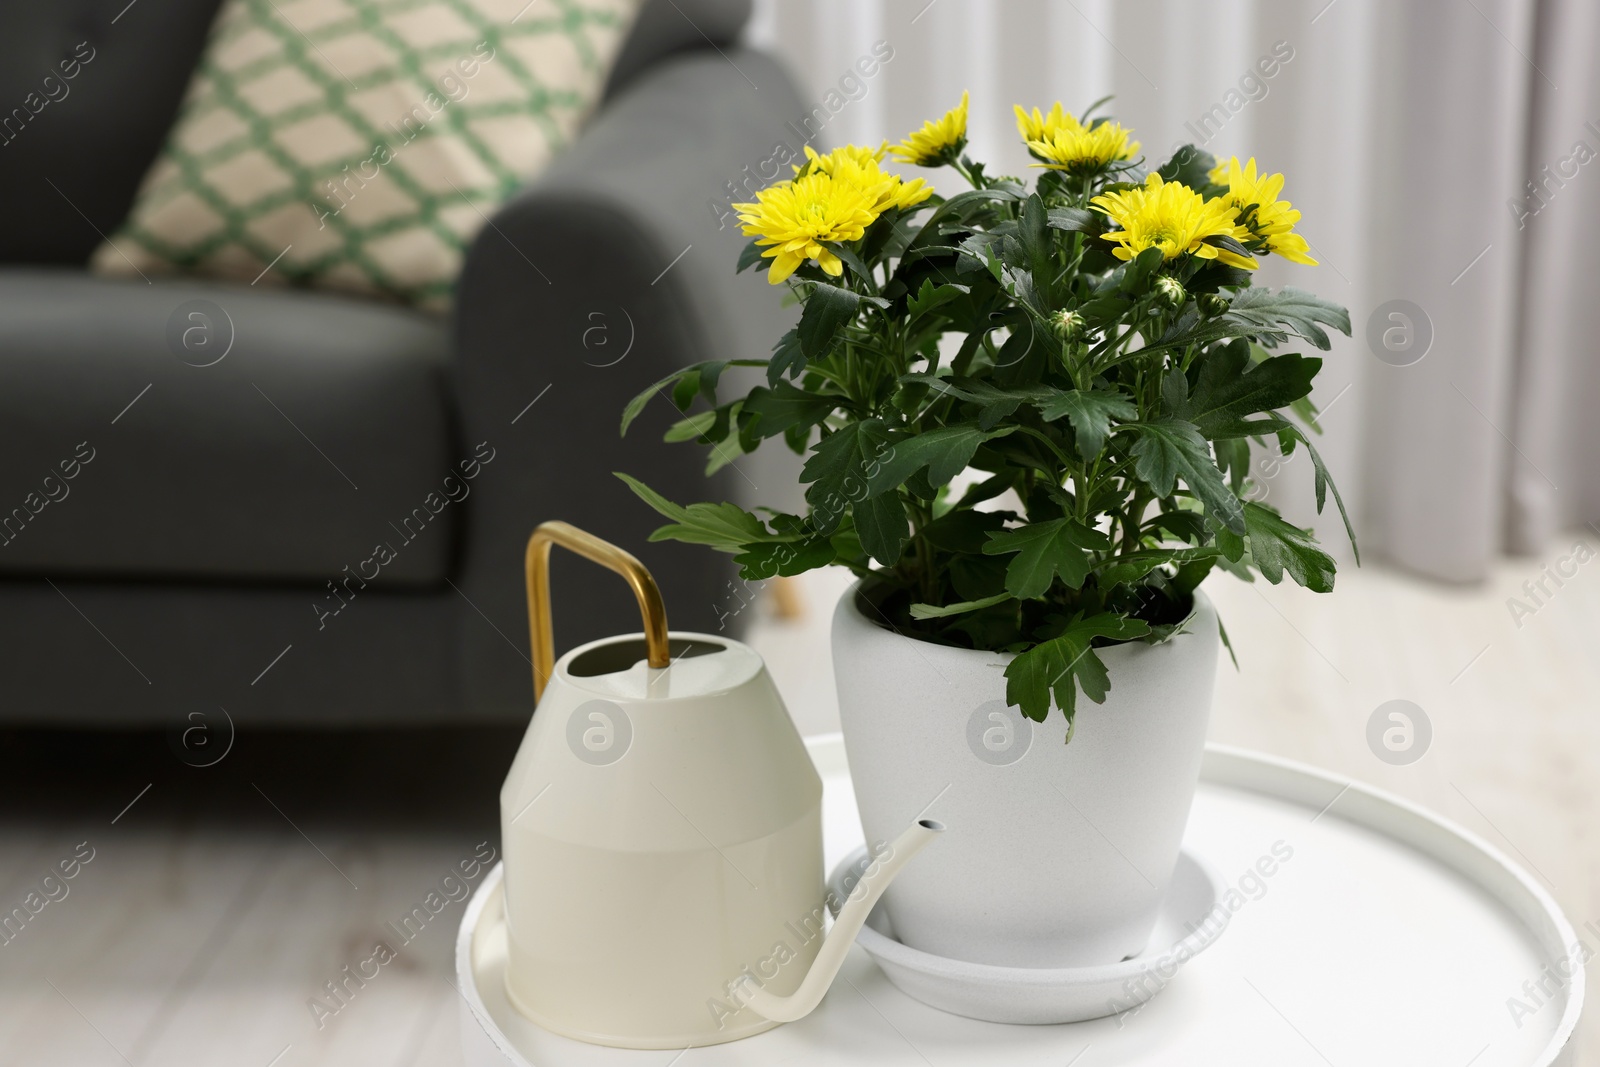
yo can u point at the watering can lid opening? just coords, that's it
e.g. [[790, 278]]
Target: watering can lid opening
[[702, 664], [614, 654]]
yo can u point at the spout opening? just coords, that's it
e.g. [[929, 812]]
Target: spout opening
[[931, 824]]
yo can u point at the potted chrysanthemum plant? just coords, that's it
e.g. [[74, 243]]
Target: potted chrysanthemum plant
[[1027, 414]]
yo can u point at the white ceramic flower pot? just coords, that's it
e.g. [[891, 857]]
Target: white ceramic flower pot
[[1055, 855]]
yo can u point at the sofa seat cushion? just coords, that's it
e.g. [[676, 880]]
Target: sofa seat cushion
[[223, 433]]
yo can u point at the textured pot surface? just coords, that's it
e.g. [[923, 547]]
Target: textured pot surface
[[1055, 855]]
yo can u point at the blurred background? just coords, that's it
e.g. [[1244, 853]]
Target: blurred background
[[1440, 151]]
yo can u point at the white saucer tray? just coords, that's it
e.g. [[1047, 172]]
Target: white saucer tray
[[1365, 932]]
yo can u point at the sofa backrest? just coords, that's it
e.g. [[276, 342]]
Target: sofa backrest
[[89, 89], [667, 26]]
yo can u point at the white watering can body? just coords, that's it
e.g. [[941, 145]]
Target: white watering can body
[[662, 833]]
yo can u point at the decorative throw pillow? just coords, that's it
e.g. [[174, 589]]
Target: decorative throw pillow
[[361, 144]]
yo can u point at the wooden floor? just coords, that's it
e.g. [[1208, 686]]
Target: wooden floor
[[216, 906], [219, 901]]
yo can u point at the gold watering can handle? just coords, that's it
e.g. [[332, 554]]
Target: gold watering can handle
[[606, 554]]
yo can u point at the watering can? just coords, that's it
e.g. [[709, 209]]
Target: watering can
[[662, 834]]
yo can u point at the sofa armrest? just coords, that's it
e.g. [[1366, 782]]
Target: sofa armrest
[[613, 269]]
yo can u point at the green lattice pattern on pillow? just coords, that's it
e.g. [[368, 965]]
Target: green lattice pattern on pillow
[[361, 144]]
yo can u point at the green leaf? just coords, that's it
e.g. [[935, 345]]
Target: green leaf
[[782, 406], [1090, 413], [957, 206], [1034, 232], [997, 403], [997, 411], [1306, 412], [760, 561], [929, 611], [722, 423], [941, 385], [828, 309], [1277, 546], [1229, 386], [1228, 244], [1062, 665], [847, 548], [1131, 566], [690, 428], [1187, 526], [1259, 314], [1139, 270], [1231, 545], [1073, 220], [840, 466], [1324, 482], [1192, 572], [882, 526], [1302, 312], [945, 453], [749, 256], [700, 380], [1233, 459], [989, 488], [1168, 449], [1190, 165], [661, 504], [853, 261], [963, 530], [722, 526], [978, 253], [1104, 309], [722, 453], [1222, 632], [973, 577], [1175, 392], [787, 358], [905, 228], [968, 352], [1045, 549], [931, 296], [692, 374]]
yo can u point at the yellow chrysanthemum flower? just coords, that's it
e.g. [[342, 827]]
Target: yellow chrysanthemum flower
[[859, 154], [1172, 217], [834, 197], [795, 219], [910, 193], [938, 142], [887, 190], [1037, 127], [859, 166], [1265, 222], [1060, 142]]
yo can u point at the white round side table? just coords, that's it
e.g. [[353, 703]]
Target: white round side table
[[1365, 932]]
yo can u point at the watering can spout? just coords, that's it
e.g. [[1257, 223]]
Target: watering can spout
[[852, 915]]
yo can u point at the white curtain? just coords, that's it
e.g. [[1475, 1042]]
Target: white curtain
[[1410, 133]]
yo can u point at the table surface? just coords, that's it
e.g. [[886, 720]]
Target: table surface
[[1356, 950]]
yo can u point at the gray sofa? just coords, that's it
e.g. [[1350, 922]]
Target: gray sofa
[[179, 534]]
